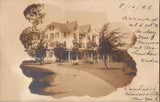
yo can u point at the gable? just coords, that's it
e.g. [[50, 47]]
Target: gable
[[85, 28], [64, 27]]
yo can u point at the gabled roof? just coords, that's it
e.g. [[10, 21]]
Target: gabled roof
[[85, 28], [64, 27], [71, 25]]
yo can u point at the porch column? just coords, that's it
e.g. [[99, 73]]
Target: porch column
[[91, 56], [103, 57], [77, 56], [84, 54], [98, 57], [47, 55], [108, 58], [69, 56]]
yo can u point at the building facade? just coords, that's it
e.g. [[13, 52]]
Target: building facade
[[70, 34]]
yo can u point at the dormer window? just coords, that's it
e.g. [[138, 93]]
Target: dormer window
[[75, 28], [51, 28], [64, 34]]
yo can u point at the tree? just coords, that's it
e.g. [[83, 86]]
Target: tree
[[40, 52], [91, 44], [33, 42], [32, 37], [115, 37], [59, 51], [34, 14]]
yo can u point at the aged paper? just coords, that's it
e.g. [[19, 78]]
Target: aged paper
[[79, 50]]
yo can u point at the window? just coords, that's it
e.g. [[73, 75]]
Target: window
[[64, 44], [75, 36], [57, 34], [88, 30], [52, 35], [52, 44], [65, 34], [88, 37], [80, 36], [93, 38]]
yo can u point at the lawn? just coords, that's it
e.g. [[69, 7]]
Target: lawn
[[114, 76], [58, 81]]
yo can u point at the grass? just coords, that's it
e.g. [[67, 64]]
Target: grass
[[114, 76]]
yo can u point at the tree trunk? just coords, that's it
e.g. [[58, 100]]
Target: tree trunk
[[37, 60], [41, 60], [105, 63]]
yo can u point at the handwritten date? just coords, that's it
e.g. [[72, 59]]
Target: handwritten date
[[134, 7]]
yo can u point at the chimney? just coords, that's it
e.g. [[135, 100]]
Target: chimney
[[67, 21]]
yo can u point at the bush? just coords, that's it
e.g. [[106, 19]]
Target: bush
[[75, 63], [91, 62], [49, 62], [88, 62]]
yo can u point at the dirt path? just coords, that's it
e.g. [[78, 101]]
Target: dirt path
[[72, 82]]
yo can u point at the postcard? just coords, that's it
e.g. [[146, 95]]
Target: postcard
[[79, 50]]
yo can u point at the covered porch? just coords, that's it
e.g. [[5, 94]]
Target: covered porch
[[81, 54]]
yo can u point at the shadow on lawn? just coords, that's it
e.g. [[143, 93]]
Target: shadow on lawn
[[41, 79], [106, 69]]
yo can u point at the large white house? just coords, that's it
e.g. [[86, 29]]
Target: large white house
[[68, 33]]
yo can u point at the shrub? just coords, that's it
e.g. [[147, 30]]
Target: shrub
[[75, 63]]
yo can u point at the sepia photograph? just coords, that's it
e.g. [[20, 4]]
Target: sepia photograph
[[79, 50]]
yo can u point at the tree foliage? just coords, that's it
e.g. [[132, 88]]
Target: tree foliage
[[115, 37], [59, 50], [34, 13], [40, 51], [31, 37], [119, 36], [33, 42]]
